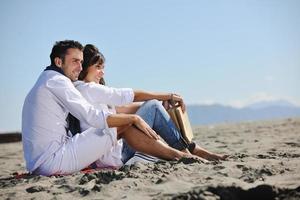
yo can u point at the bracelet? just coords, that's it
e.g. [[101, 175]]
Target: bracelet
[[172, 102], [192, 146]]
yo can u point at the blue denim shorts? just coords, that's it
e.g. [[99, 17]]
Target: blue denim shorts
[[159, 120]]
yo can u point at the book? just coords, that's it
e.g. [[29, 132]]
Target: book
[[182, 122]]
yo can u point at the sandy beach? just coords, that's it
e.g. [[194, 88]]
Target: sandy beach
[[264, 163]]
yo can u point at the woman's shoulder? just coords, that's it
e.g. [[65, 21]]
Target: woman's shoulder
[[81, 85]]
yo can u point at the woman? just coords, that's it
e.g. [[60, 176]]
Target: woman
[[151, 111]]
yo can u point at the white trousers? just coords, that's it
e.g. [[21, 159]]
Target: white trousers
[[78, 152]]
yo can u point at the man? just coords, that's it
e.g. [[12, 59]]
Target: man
[[49, 147]]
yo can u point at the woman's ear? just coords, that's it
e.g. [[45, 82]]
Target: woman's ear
[[58, 61]]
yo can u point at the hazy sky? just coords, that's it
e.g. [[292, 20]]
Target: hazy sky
[[229, 52]]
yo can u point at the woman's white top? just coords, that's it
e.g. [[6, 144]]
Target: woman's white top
[[100, 97]]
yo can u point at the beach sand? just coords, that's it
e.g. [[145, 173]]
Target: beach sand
[[264, 163]]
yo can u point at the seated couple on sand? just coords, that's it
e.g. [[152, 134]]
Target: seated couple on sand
[[112, 125]]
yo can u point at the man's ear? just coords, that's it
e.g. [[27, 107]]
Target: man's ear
[[58, 62]]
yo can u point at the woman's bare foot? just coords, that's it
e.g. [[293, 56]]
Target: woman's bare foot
[[189, 155], [186, 151], [198, 151]]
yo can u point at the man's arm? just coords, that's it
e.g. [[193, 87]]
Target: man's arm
[[121, 120], [71, 99]]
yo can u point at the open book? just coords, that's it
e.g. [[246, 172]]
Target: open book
[[182, 122]]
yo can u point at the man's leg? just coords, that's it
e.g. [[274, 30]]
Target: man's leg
[[77, 152]]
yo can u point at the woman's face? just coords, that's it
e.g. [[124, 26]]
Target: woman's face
[[95, 73]]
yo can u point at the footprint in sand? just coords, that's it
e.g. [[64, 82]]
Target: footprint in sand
[[239, 156], [250, 175], [242, 167], [219, 167], [289, 155], [262, 156], [293, 144], [34, 189]]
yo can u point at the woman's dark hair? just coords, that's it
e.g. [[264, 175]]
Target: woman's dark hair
[[60, 49], [91, 56]]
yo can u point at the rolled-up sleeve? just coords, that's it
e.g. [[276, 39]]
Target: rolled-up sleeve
[[128, 95], [100, 94], [75, 103]]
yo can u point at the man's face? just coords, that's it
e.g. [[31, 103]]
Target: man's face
[[72, 64]]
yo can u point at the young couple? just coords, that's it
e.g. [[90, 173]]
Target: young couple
[[107, 117]]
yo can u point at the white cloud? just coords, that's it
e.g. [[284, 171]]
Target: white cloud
[[254, 98], [259, 97], [203, 102], [262, 96], [237, 103]]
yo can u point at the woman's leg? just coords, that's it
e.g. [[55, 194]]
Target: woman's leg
[[127, 151], [203, 153], [157, 117], [142, 143], [159, 120]]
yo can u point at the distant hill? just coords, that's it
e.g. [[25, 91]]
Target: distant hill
[[217, 113], [265, 104]]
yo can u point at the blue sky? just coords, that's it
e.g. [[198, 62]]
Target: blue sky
[[229, 52]]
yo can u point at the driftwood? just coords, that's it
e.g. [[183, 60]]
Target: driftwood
[[10, 137]]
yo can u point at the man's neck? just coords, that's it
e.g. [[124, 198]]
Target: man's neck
[[54, 68]]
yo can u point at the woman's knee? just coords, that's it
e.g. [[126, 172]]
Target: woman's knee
[[153, 103]]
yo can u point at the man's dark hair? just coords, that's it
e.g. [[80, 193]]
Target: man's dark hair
[[60, 49]]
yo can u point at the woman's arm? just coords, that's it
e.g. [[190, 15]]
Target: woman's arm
[[140, 95], [128, 109], [101, 94]]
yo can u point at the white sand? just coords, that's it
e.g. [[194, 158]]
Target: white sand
[[264, 164]]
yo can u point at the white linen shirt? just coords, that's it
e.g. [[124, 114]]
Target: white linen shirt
[[44, 116], [101, 96]]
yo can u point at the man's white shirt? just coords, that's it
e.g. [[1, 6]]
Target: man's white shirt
[[44, 126]]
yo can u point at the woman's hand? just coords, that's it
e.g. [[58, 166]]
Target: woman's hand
[[145, 128], [176, 99]]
